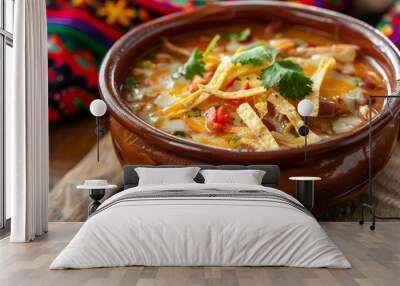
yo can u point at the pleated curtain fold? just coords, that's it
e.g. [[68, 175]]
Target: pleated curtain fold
[[27, 145]]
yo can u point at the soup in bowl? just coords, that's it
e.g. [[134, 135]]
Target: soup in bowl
[[239, 88], [221, 85]]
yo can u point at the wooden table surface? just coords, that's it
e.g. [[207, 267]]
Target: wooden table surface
[[375, 257], [69, 143]]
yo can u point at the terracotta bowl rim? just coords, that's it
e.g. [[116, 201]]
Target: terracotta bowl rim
[[119, 110]]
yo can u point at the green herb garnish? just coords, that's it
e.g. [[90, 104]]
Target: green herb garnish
[[151, 55], [290, 78], [195, 65], [147, 64], [255, 45], [234, 139], [211, 45], [256, 56], [239, 36], [299, 42], [237, 148], [130, 82], [180, 133], [178, 73], [194, 113]]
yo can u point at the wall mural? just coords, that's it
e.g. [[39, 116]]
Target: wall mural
[[218, 96]]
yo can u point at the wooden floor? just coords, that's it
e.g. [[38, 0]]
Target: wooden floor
[[375, 257]]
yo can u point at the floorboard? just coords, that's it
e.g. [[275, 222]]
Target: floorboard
[[375, 257]]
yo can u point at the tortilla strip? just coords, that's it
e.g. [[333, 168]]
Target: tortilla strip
[[257, 127], [218, 80], [324, 65], [285, 107], [342, 53], [261, 104], [234, 94], [262, 108], [222, 76], [197, 97], [254, 143], [248, 138], [241, 70]]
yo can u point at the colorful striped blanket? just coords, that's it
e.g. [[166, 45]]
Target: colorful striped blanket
[[81, 31]]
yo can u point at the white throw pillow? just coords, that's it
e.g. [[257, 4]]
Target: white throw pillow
[[166, 176], [248, 177]]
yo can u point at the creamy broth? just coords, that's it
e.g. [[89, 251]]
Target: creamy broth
[[242, 93]]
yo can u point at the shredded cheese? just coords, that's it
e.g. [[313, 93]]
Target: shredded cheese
[[324, 65], [197, 125]]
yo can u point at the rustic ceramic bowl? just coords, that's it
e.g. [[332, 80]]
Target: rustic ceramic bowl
[[341, 162]]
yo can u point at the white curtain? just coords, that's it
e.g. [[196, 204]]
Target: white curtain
[[27, 123]]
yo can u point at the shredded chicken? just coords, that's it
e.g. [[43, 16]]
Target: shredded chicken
[[164, 58], [173, 48], [282, 44], [342, 53]]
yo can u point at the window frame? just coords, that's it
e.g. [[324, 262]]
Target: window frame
[[6, 39]]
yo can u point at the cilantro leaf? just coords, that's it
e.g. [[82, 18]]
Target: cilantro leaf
[[180, 133], [295, 85], [256, 55], [239, 36], [194, 65], [273, 74], [129, 83], [234, 139], [152, 55], [299, 42], [290, 65], [290, 78], [237, 148], [194, 113]]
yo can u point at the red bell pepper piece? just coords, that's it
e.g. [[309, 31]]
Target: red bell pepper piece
[[223, 115], [216, 119]]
